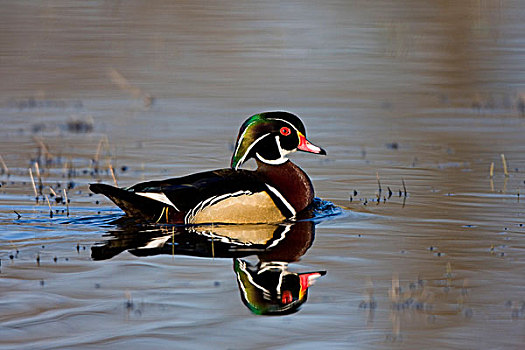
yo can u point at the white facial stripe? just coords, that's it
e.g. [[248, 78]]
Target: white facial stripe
[[252, 282], [248, 150], [282, 151], [285, 202], [284, 121], [158, 196]]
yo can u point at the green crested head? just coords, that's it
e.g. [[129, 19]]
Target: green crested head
[[269, 137]]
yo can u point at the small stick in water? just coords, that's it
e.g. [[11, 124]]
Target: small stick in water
[[6, 169], [52, 191], [404, 192], [39, 176], [379, 185], [67, 201], [103, 141], [49, 205], [19, 216], [113, 175], [33, 182], [491, 171], [504, 165], [99, 149]]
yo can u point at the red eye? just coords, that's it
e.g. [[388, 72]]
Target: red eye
[[285, 131]]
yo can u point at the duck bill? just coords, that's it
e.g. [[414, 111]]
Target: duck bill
[[307, 279], [307, 146]]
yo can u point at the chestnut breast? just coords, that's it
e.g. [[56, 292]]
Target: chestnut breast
[[291, 181]]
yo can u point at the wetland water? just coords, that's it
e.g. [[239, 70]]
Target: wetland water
[[428, 93]]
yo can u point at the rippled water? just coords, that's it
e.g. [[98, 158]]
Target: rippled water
[[427, 94]]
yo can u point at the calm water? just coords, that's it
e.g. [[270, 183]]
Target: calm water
[[425, 93]]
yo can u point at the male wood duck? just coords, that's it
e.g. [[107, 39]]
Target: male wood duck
[[277, 190]]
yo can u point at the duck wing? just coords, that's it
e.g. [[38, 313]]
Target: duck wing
[[225, 195]]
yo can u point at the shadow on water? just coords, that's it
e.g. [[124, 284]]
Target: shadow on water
[[267, 287]]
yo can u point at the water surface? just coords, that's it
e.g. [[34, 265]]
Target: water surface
[[425, 93]]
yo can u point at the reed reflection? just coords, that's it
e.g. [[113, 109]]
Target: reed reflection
[[267, 287]]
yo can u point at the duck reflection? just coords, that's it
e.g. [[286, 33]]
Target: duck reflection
[[266, 288]]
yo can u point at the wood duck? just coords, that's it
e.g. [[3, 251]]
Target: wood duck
[[277, 190]]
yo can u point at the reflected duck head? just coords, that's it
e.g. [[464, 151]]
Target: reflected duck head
[[271, 289]]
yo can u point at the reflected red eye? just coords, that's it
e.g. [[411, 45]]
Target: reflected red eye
[[287, 297], [285, 131]]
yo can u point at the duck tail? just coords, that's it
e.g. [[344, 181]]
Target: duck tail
[[132, 204]]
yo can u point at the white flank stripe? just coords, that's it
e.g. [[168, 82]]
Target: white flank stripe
[[190, 216], [285, 202], [156, 242], [283, 236], [284, 121], [160, 197]]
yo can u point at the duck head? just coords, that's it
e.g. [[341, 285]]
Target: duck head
[[270, 137]]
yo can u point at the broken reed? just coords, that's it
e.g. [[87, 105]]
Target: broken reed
[[39, 177], [504, 165], [378, 185], [67, 201], [112, 174], [4, 166], [505, 168], [402, 193], [33, 183], [52, 191], [49, 205]]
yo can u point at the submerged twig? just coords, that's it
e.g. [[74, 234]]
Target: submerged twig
[[404, 192], [161, 215], [491, 170], [49, 205], [379, 185], [67, 201], [19, 216]]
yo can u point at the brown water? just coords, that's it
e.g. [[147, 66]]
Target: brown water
[[425, 92]]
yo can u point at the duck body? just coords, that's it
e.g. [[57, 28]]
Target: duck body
[[277, 190]]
